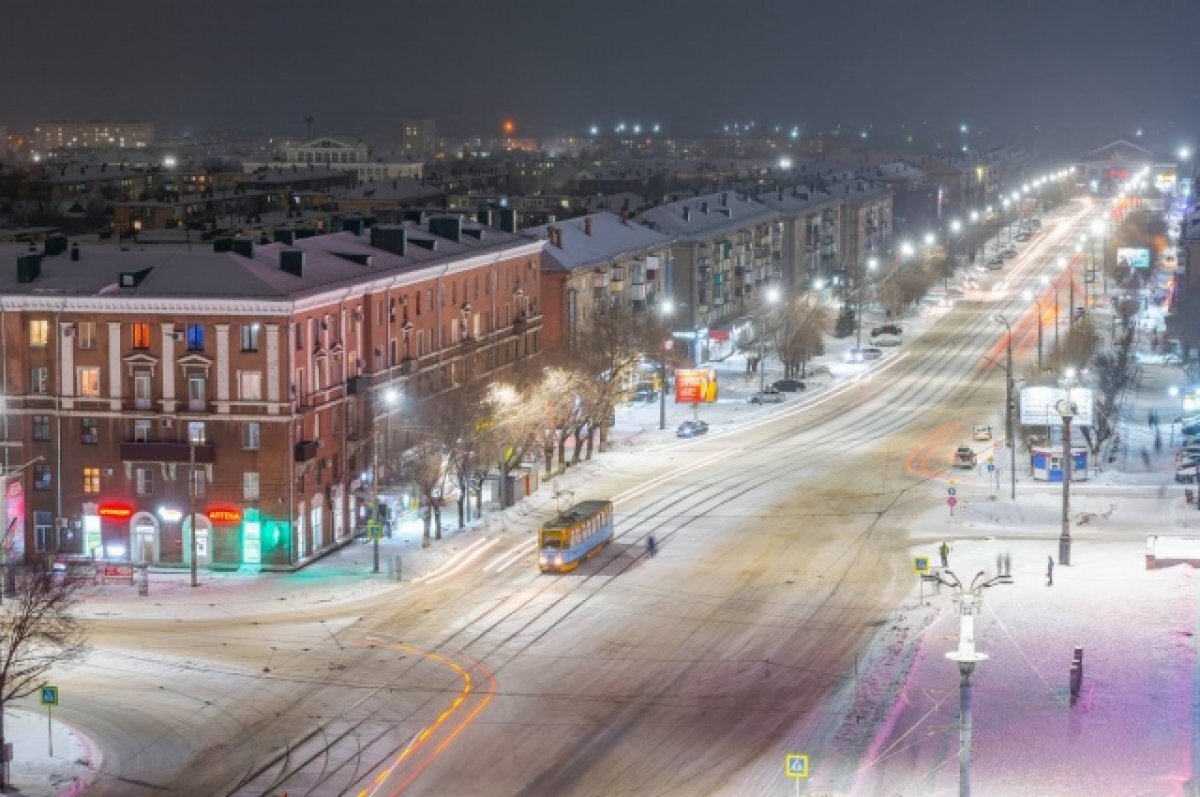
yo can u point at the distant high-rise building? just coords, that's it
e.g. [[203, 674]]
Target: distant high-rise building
[[50, 136], [418, 138]]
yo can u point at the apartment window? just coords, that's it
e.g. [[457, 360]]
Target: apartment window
[[197, 434], [141, 335], [89, 431], [250, 385], [41, 476], [86, 334], [199, 482], [143, 431], [91, 481], [299, 336], [41, 530], [250, 337], [89, 380], [195, 337], [41, 427], [251, 435], [314, 325], [39, 333], [144, 481], [39, 380], [249, 486]]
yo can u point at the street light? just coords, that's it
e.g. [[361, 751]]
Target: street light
[[772, 299], [666, 308], [969, 600], [389, 397], [1008, 410], [1067, 409], [872, 264]]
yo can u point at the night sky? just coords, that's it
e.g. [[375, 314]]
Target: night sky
[[1053, 73]]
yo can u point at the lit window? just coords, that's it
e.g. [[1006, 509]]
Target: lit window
[[197, 434], [142, 431], [91, 481], [195, 337], [39, 333], [89, 380], [141, 335], [89, 431], [250, 486]]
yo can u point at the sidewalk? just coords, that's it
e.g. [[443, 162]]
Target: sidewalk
[[36, 769]]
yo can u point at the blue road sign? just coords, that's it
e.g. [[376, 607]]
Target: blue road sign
[[49, 695], [991, 467], [795, 765], [952, 491]]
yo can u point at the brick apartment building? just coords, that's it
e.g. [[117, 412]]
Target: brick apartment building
[[257, 374]]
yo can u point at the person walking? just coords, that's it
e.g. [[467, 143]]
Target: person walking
[[1049, 571], [944, 550]]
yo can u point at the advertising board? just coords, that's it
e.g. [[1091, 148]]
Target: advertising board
[[695, 386], [1132, 257], [1039, 406]]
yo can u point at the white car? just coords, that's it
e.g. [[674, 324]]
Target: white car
[[768, 395], [886, 341], [1186, 474]]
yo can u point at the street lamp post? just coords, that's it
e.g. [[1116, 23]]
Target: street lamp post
[[390, 396], [872, 264], [1067, 409], [772, 298], [666, 309], [1008, 411], [969, 600], [192, 505]]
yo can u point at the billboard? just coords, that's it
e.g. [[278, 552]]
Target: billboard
[[1133, 257], [1039, 406], [695, 386]]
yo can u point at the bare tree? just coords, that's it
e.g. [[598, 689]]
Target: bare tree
[[38, 632], [510, 431], [460, 423], [610, 347], [426, 467], [799, 333]]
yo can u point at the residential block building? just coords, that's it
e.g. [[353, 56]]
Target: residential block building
[[252, 393], [49, 137]]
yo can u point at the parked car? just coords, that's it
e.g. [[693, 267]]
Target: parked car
[[995, 264], [691, 429], [768, 395], [1189, 429], [886, 341], [1022, 237], [1035, 224], [1008, 253], [1186, 474], [982, 432], [862, 355], [644, 393], [788, 385], [964, 458], [887, 329]]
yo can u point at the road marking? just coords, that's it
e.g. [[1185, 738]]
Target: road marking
[[512, 555]]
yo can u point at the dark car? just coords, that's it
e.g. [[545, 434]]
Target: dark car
[[788, 385], [691, 429], [887, 329], [862, 355], [1008, 253]]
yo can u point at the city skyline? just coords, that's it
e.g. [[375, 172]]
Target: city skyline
[[1017, 72]]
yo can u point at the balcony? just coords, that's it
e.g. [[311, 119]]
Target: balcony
[[168, 452], [306, 450]]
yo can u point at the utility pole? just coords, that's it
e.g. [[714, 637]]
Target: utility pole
[[1066, 408], [1008, 411], [192, 503]]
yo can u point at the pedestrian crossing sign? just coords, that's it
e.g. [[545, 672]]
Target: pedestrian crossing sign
[[49, 695], [374, 530], [795, 765], [920, 565]]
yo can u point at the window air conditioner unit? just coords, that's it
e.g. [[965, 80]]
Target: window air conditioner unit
[[166, 423], [69, 331]]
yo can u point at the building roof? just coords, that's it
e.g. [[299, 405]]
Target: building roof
[[399, 189], [706, 216], [610, 239], [797, 199], [200, 272]]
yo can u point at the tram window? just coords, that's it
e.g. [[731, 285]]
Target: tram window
[[550, 542]]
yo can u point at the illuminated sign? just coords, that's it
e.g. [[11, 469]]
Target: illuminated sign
[[115, 510], [695, 386], [169, 515], [1133, 257], [224, 515]]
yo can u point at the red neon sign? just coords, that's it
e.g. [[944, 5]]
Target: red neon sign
[[115, 510], [224, 515]]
